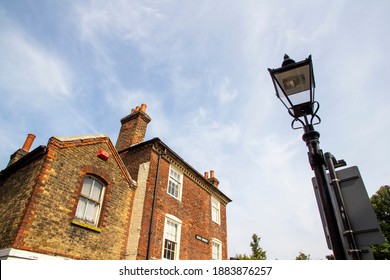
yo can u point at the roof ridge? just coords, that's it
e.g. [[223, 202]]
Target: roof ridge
[[81, 137]]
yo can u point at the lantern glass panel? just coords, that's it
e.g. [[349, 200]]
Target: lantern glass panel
[[295, 80]]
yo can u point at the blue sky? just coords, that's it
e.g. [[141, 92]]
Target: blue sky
[[77, 67]]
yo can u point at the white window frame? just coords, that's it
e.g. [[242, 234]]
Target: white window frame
[[88, 201], [175, 180], [215, 210], [174, 220], [216, 244]]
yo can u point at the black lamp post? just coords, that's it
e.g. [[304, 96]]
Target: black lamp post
[[294, 85]]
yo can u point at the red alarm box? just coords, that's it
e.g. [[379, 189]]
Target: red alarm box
[[103, 154]]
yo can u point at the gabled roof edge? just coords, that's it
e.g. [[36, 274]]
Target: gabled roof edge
[[88, 140], [157, 140]]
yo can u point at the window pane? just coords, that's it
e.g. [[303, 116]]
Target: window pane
[[215, 215], [173, 188], [91, 211], [96, 191], [81, 208], [86, 191], [216, 251], [171, 231], [169, 250], [175, 175], [215, 206]]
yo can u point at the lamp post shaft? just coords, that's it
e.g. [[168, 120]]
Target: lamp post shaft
[[316, 159]]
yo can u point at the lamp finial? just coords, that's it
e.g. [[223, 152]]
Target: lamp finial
[[287, 60]]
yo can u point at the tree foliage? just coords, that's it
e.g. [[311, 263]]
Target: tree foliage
[[257, 252], [302, 256], [381, 204]]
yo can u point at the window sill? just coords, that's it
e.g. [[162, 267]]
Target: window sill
[[178, 198], [86, 225]]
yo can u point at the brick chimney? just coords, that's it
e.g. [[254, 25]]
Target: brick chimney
[[133, 128], [23, 151], [214, 181]]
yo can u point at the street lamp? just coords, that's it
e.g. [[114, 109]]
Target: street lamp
[[294, 85]]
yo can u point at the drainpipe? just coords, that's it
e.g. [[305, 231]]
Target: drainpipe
[[153, 206]]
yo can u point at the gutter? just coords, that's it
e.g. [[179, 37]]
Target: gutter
[[167, 149]]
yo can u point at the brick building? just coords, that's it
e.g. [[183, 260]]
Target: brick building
[[83, 198], [72, 198]]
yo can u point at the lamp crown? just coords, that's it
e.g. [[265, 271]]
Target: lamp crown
[[287, 60]]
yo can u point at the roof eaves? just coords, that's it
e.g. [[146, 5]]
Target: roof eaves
[[40, 150], [165, 146]]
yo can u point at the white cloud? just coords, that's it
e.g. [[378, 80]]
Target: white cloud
[[129, 99], [37, 89], [225, 92], [202, 140], [29, 71]]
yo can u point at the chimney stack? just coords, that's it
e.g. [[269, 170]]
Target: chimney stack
[[23, 151], [214, 181], [133, 129]]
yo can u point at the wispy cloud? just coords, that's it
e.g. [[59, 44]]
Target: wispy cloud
[[36, 84], [28, 68], [225, 92]]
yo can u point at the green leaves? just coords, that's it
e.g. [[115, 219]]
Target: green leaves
[[257, 252], [381, 204]]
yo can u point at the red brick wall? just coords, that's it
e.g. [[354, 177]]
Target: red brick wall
[[194, 210], [132, 159]]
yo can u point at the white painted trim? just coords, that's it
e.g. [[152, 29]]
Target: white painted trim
[[17, 254], [216, 241], [180, 190], [218, 208], [82, 137], [179, 223]]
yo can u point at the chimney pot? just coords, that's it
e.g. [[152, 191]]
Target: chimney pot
[[28, 143], [214, 181], [137, 108], [143, 107], [206, 175]]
